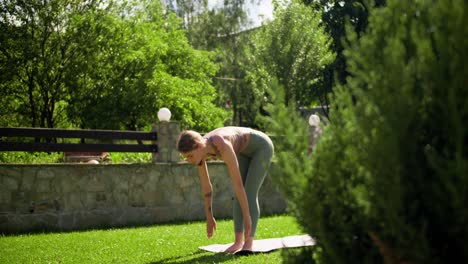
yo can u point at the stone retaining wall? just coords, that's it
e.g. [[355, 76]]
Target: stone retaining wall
[[63, 197]]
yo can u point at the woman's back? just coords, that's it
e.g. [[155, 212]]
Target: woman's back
[[238, 136]]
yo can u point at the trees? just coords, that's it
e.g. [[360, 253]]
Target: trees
[[336, 15], [36, 47], [108, 64], [147, 64], [210, 27], [291, 50], [224, 28], [224, 31], [387, 180]]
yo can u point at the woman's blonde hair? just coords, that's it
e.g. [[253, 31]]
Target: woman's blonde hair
[[188, 140]]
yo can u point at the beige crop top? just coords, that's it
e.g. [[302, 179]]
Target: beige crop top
[[238, 136]]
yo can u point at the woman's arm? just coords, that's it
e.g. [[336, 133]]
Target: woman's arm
[[229, 156], [207, 192]]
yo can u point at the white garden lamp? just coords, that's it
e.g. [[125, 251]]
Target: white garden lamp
[[314, 120], [164, 114]]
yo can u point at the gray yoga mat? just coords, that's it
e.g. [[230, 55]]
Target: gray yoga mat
[[267, 245]]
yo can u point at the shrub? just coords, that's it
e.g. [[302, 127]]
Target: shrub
[[30, 157], [388, 179]]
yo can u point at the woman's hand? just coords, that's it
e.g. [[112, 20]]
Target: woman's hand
[[210, 227]]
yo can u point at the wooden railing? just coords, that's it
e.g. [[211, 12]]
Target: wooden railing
[[46, 140]]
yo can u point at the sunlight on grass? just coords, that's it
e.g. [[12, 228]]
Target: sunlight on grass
[[120, 157], [177, 243]]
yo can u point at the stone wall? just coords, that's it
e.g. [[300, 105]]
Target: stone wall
[[83, 196]]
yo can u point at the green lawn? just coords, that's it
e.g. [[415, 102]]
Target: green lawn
[[176, 243]]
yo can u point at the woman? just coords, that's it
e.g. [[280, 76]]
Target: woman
[[247, 154]]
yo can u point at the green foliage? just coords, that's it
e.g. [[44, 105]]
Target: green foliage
[[147, 64], [36, 46], [222, 28], [119, 157], [234, 86], [210, 29], [100, 64], [292, 49], [291, 146], [56, 157], [30, 157], [336, 15], [178, 95], [387, 180]]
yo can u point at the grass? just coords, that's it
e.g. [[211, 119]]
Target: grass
[[57, 157], [30, 157], [171, 243], [122, 157]]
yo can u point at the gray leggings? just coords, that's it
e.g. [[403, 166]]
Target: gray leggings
[[254, 162]]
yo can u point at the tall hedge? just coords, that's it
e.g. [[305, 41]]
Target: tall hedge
[[388, 180]]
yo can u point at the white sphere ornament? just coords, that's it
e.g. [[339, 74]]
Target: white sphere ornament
[[314, 120], [164, 114]]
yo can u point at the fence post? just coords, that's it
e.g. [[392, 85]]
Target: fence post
[[168, 131]]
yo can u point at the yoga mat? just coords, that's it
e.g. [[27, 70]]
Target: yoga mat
[[267, 245]]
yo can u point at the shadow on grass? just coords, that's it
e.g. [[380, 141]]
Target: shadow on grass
[[196, 257], [41, 230]]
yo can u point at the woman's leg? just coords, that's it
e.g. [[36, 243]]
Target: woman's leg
[[253, 172], [257, 172], [237, 212]]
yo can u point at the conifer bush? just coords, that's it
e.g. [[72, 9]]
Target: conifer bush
[[388, 180]]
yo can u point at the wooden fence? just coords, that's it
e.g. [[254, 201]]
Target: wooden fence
[[47, 140]]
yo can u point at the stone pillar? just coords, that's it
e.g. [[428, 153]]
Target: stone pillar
[[168, 131], [314, 132]]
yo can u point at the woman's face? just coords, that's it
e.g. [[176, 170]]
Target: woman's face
[[195, 156]]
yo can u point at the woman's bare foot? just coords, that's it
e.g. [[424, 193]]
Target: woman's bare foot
[[248, 244], [238, 243], [234, 247]]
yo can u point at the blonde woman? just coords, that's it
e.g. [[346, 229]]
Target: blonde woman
[[247, 154]]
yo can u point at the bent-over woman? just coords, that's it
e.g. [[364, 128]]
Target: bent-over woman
[[247, 154]]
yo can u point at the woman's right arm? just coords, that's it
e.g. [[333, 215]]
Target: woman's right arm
[[207, 192]]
